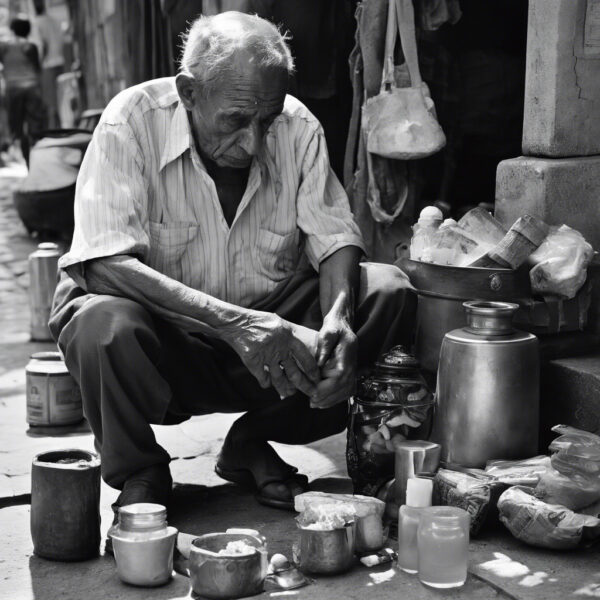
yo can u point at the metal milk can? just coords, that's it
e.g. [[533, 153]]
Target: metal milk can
[[43, 267], [487, 389]]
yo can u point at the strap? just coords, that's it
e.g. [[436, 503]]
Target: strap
[[408, 39], [391, 34]]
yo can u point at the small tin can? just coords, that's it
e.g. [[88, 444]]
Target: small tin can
[[53, 396], [43, 269]]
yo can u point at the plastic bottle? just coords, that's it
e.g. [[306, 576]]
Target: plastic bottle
[[418, 497], [430, 219]]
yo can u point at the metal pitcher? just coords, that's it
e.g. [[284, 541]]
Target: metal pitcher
[[487, 389]]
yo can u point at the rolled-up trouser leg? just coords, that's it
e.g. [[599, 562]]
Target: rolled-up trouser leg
[[385, 316], [111, 349]]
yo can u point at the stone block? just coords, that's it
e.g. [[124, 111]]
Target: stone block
[[570, 394], [557, 190], [562, 83]]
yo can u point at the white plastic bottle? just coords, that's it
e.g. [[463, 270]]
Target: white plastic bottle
[[424, 229], [418, 496]]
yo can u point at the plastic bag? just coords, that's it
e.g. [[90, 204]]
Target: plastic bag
[[399, 123], [518, 472], [326, 517], [544, 525], [574, 479], [472, 491], [560, 263]]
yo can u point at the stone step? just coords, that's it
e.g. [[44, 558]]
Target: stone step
[[570, 394]]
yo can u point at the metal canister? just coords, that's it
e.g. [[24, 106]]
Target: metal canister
[[43, 268], [488, 389], [65, 504], [53, 396]]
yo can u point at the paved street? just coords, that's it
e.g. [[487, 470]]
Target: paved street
[[500, 567]]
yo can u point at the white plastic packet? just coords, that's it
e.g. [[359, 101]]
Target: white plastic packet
[[559, 265], [544, 525]]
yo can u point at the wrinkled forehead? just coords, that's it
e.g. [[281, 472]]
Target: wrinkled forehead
[[244, 82]]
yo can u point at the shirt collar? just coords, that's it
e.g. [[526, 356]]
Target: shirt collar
[[179, 136]]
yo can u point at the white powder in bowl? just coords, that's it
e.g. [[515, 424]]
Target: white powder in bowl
[[237, 548]]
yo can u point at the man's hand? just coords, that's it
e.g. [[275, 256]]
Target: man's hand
[[336, 353], [274, 352]]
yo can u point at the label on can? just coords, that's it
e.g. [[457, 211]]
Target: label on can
[[53, 399], [37, 413]]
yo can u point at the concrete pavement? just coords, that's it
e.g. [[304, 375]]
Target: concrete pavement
[[500, 567]]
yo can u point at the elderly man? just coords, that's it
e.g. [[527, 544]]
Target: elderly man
[[215, 268]]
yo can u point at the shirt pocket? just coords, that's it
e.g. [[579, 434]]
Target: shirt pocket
[[169, 248], [278, 254]]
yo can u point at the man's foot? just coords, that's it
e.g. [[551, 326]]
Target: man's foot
[[151, 485], [254, 464]]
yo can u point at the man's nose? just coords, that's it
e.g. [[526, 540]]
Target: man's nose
[[251, 139]]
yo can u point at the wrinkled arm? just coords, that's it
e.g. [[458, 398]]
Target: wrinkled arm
[[339, 277], [334, 246], [260, 339], [190, 309]]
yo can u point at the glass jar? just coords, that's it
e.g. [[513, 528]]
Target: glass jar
[[443, 546], [143, 544], [392, 404]]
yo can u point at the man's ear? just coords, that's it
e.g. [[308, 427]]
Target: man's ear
[[187, 90]]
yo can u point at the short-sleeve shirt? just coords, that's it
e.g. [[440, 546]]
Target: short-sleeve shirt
[[143, 190]]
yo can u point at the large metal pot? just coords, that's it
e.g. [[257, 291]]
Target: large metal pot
[[441, 292], [488, 389]]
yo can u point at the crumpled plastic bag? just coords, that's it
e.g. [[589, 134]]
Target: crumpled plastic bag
[[326, 516], [574, 479], [559, 265], [576, 451], [472, 491], [363, 505], [544, 525], [518, 472]]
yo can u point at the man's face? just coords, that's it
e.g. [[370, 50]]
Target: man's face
[[230, 122]]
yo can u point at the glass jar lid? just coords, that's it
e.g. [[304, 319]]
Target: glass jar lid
[[143, 516], [396, 362]]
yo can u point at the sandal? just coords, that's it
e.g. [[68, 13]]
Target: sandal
[[245, 478]]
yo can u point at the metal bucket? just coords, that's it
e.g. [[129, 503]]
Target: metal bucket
[[441, 292]]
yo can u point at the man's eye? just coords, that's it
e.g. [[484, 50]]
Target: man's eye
[[236, 121]]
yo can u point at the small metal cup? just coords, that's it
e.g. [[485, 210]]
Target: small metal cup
[[326, 552], [219, 576]]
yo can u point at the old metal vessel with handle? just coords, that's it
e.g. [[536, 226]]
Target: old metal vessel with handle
[[487, 389]]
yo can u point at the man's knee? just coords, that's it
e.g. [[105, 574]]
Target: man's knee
[[385, 283], [107, 322]]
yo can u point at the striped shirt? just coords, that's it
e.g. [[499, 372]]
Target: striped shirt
[[143, 190]]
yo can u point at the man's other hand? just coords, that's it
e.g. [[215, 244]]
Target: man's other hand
[[276, 352], [337, 355]]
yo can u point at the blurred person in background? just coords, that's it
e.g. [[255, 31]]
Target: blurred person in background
[[50, 38], [26, 109]]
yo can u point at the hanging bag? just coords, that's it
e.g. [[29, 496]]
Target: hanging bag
[[400, 122]]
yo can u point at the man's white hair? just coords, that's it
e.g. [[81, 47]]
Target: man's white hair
[[211, 42]]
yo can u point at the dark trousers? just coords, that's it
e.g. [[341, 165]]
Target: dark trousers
[[27, 116], [135, 369]]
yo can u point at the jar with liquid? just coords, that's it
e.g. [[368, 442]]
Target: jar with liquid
[[443, 546], [143, 544]]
